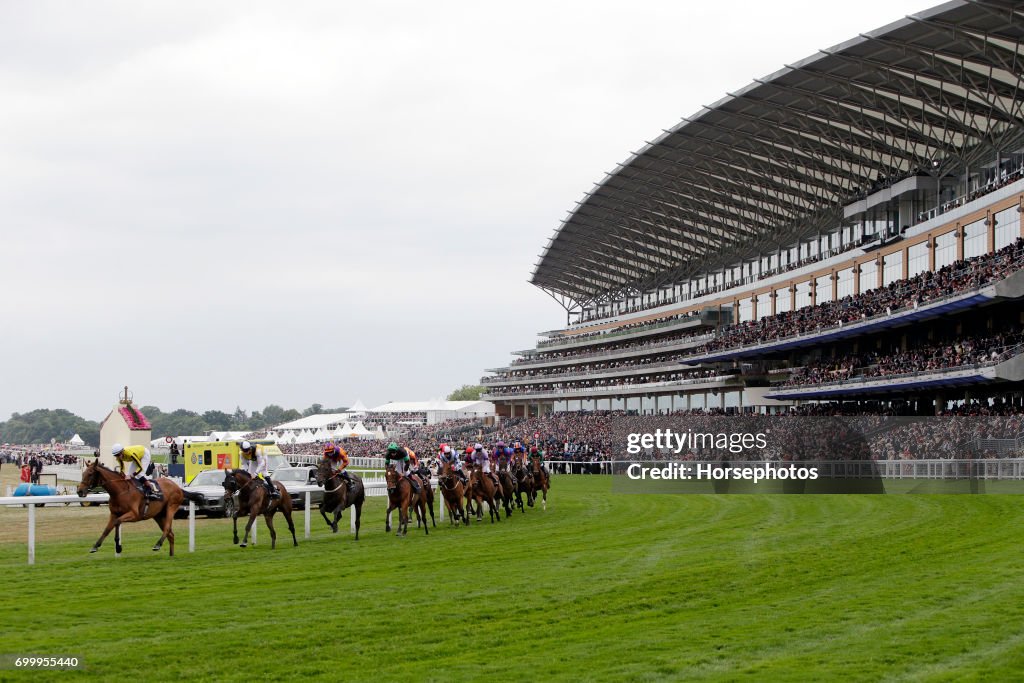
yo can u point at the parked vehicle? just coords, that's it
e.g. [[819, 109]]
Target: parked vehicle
[[293, 477]]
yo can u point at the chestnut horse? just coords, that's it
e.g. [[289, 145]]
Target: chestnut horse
[[483, 489], [127, 504], [338, 494], [452, 491], [253, 499], [402, 496]]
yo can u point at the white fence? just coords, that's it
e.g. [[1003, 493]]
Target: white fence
[[1009, 469], [373, 487]]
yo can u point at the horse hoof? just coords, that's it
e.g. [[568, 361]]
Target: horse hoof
[[241, 545], [156, 548]]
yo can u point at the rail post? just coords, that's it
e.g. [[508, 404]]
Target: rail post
[[191, 526], [31, 534], [307, 515]]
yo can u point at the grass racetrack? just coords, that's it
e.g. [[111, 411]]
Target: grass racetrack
[[602, 586]]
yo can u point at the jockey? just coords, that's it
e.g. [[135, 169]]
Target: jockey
[[481, 457], [518, 454], [135, 462], [400, 456], [449, 455], [539, 454], [339, 461], [254, 461]]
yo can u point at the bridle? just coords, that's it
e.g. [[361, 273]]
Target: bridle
[[328, 480]]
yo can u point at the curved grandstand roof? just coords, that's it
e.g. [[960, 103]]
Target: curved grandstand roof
[[777, 160]]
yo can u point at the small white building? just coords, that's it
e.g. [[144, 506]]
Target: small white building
[[125, 425]]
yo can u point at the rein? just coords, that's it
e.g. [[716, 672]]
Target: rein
[[329, 479]]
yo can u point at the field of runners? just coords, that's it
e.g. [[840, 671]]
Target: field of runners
[[637, 587]]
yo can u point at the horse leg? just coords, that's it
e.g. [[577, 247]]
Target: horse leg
[[114, 521], [544, 503], [234, 522], [422, 512], [387, 517], [291, 527], [359, 516], [323, 513], [269, 524], [431, 502], [159, 519], [248, 527], [168, 526]]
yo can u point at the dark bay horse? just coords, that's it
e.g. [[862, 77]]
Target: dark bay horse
[[402, 496], [452, 491], [508, 484], [253, 500], [484, 489], [127, 504], [524, 484], [338, 494]]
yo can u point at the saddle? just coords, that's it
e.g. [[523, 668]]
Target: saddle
[[149, 494]]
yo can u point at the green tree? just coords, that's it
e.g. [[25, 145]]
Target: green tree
[[39, 426], [467, 392], [218, 420]]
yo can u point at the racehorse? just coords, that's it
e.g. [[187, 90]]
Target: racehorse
[[452, 491], [540, 480], [484, 489], [508, 484], [338, 495], [128, 504], [402, 496], [428, 493], [254, 500], [524, 484]]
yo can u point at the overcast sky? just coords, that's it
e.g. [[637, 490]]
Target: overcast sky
[[236, 204]]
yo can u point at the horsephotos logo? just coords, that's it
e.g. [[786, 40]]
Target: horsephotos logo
[[713, 472], [789, 453]]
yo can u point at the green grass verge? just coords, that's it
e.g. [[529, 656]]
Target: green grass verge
[[602, 586]]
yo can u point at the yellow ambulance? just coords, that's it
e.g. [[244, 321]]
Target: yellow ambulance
[[223, 455]]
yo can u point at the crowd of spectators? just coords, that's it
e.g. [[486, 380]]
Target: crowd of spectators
[[620, 329], [670, 375], [823, 431], [590, 368], [960, 353], [1004, 177], [921, 289], [958, 277]]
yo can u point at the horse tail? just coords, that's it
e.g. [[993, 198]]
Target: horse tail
[[194, 496]]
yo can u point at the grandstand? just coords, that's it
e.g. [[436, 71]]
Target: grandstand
[[847, 228]]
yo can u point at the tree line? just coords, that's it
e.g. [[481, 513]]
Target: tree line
[[39, 426]]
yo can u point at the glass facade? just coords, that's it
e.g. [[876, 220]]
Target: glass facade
[[868, 276], [844, 285], [746, 310], [823, 289], [917, 259], [783, 299], [975, 239], [892, 268], [945, 249], [803, 295], [1007, 227]]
